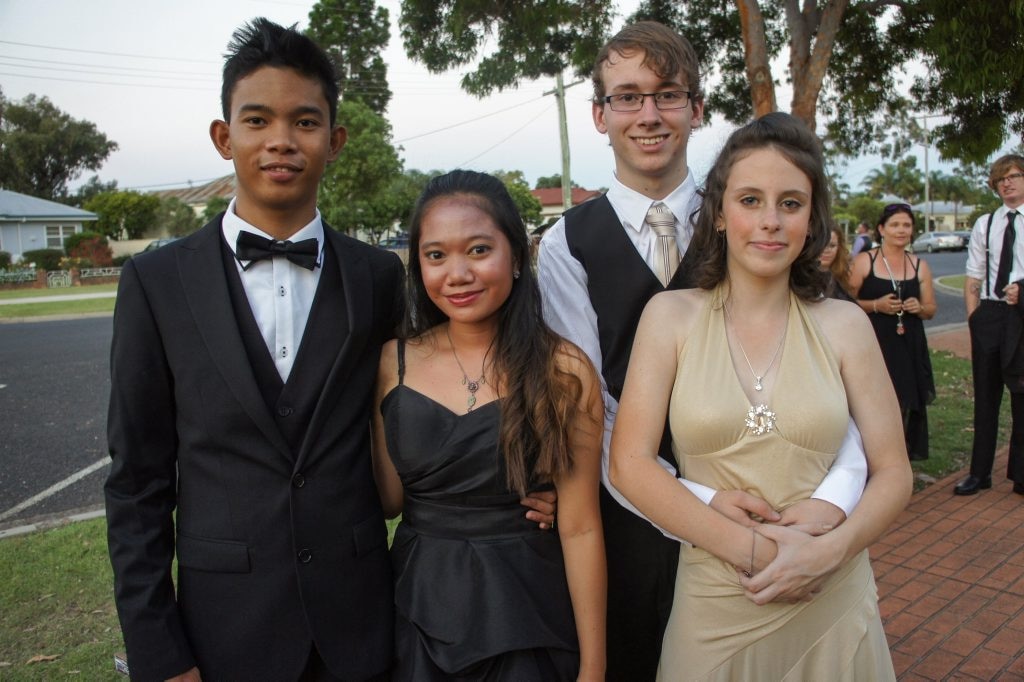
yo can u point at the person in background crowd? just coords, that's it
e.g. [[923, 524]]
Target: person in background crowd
[[995, 274], [862, 240], [894, 287], [835, 259]]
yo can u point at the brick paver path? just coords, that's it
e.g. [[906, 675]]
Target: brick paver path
[[950, 577]]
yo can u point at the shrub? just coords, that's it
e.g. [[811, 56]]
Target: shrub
[[5, 260], [118, 261], [91, 247], [45, 259]]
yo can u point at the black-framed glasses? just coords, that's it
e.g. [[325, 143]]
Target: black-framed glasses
[[634, 101], [1006, 178]]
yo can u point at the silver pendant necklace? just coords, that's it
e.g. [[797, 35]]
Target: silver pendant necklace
[[760, 420], [758, 379], [472, 385], [897, 289]]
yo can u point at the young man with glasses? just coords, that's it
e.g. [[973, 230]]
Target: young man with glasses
[[598, 267], [995, 272]]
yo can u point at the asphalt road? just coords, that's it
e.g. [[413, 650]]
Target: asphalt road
[[950, 308], [54, 387]]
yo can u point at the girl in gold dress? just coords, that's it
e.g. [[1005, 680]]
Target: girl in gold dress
[[758, 376]]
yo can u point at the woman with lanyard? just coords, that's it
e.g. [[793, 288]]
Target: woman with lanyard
[[895, 289]]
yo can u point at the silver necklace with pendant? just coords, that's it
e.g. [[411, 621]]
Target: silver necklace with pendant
[[897, 289], [472, 385], [759, 418]]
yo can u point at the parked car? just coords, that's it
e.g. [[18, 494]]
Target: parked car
[[392, 243], [965, 235], [157, 243], [938, 241]]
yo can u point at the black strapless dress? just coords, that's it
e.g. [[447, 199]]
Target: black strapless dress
[[480, 592]]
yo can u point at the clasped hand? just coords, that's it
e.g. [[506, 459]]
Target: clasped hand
[[800, 565]]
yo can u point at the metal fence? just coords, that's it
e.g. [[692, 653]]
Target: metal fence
[[17, 276]]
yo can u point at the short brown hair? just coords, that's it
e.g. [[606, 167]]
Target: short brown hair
[[665, 52], [1002, 166]]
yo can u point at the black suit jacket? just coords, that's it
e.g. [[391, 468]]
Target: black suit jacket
[[276, 549]]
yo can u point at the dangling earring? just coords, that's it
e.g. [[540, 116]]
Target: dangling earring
[[515, 274]]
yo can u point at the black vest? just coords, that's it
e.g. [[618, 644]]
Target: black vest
[[292, 403], [619, 283]]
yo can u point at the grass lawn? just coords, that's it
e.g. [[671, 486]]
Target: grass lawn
[[953, 281], [56, 595], [74, 307], [88, 305], [35, 293]]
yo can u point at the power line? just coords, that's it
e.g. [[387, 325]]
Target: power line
[[507, 137], [108, 54], [471, 120]]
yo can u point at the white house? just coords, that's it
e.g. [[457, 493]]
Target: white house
[[29, 223], [946, 215]]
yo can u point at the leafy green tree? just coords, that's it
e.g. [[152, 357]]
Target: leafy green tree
[[845, 61], [902, 179], [527, 204], [864, 208], [42, 148], [354, 33], [89, 189], [175, 218], [531, 39], [402, 193], [124, 214], [551, 182], [214, 206], [353, 194]]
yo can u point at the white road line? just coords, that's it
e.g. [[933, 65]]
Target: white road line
[[56, 488]]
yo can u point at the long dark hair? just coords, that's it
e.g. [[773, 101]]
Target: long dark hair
[[791, 138], [540, 399]]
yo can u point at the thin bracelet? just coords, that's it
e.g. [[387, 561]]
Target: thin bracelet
[[753, 540], [874, 305]]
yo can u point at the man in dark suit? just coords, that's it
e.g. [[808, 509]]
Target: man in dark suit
[[242, 368], [992, 288]]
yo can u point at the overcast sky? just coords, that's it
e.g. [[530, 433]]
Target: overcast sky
[[147, 73]]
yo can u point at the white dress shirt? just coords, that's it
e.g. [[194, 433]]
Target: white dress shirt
[[280, 292], [976, 254], [569, 312]]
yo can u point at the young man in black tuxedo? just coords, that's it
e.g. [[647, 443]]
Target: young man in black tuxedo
[[242, 368]]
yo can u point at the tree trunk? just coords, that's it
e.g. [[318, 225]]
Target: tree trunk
[[807, 66], [759, 72]]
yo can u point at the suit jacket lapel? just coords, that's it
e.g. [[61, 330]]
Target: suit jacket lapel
[[206, 290], [357, 281]]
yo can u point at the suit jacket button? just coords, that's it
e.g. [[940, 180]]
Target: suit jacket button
[[298, 480], [284, 410], [305, 556]]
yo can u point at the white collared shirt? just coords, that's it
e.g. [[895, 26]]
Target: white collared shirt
[[280, 292], [976, 254], [569, 312]]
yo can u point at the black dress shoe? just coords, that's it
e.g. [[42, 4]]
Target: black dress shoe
[[972, 484], [1018, 488]]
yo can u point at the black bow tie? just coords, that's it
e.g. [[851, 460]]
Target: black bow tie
[[252, 247]]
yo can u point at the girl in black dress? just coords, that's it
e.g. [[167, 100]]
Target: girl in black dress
[[479, 403], [895, 289]]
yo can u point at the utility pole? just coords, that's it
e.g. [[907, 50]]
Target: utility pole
[[563, 129], [927, 181]]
